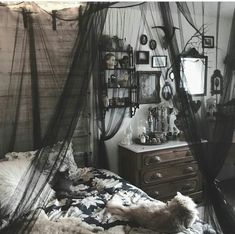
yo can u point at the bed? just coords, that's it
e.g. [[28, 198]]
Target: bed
[[81, 196]]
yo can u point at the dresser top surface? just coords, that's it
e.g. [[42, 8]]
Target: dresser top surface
[[137, 148]]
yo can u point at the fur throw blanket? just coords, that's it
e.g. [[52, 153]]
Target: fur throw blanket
[[76, 226], [174, 216]]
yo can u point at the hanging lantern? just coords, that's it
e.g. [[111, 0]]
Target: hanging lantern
[[216, 82]]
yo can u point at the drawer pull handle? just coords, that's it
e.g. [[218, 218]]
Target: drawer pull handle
[[188, 170], [155, 159], [156, 176]]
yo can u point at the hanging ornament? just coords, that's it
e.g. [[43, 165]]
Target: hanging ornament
[[143, 39], [172, 75], [216, 83], [167, 91], [152, 44]]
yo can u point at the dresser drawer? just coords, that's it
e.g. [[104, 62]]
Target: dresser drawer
[[154, 158], [170, 172], [186, 186]]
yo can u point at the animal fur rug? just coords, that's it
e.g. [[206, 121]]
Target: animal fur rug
[[75, 226]]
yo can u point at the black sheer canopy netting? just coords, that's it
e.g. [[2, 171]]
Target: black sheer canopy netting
[[212, 156], [55, 64], [54, 56]]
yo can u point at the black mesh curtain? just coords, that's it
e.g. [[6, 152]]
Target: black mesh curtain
[[70, 75], [33, 73], [212, 156], [127, 21]]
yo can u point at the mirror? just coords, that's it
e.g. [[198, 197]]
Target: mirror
[[193, 72]]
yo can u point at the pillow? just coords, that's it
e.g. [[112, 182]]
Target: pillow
[[68, 164], [12, 170], [10, 174], [20, 155]]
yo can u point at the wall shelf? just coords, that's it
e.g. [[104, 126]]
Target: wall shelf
[[118, 80]]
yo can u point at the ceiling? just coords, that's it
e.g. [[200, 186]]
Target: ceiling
[[210, 8]]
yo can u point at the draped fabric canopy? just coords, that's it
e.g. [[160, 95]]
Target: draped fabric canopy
[[50, 72], [212, 157], [53, 57]]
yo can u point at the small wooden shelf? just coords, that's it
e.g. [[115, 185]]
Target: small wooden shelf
[[119, 83]]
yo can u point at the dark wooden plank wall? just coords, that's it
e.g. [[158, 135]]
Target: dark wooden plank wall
[[59, 45]]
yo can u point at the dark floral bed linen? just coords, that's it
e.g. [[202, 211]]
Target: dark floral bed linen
[[86, 196]]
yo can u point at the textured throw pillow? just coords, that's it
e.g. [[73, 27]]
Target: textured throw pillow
[[20, 155], [11, 173], [68, 164]]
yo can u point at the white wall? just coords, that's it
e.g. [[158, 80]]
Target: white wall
[[132, 27]]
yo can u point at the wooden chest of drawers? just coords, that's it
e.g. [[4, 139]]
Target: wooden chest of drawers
[[161, 170]]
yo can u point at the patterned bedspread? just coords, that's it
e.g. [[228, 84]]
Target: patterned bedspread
[[86, 196]]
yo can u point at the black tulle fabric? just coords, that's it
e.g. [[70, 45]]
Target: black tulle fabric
[[212, 157], [71, 75], [77, 68]]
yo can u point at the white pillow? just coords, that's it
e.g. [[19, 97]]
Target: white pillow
[[11, 173], [20, 155], [68, 164]]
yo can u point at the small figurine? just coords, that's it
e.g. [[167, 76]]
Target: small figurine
[[105, 101], [150, 120], [110, 61], [173, 130], [142, 139], [124, 62]]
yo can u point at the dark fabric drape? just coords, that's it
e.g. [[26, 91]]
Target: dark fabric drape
[[64, 117], [70, 70], [33, 74], [229, 65], [211, 156], [183, 8]]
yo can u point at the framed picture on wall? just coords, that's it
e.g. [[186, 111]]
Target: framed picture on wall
[[207, 42], [143, 39], [142, 57], [149, 86], [159, 61]]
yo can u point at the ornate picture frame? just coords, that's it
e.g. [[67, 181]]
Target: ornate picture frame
[[143, 39], [159, 61], [152, 44], [149, 86], [207, 42], [142, 57]]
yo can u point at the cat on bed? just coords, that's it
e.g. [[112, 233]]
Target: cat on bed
[[176, 215]]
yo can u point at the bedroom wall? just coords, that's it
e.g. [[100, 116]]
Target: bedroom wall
[[132, 36], [53, 50]]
